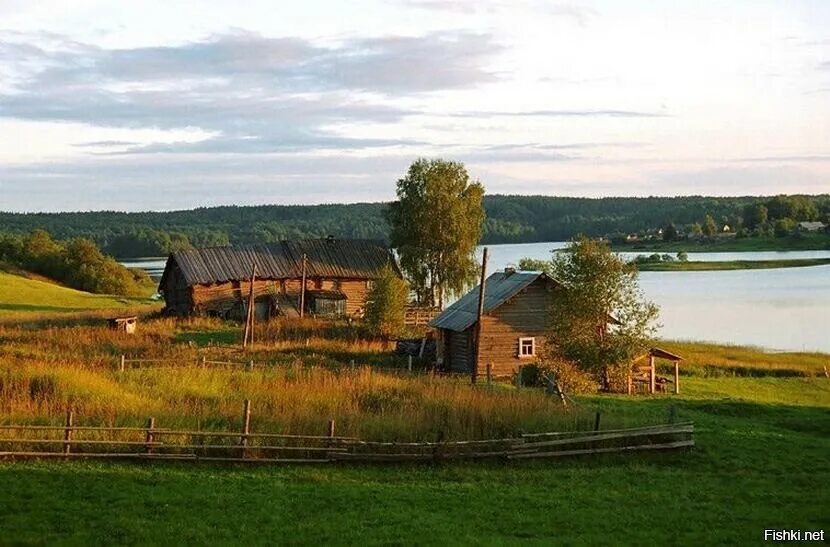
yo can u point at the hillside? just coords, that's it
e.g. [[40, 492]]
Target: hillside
[[510, 219], [20, 293]]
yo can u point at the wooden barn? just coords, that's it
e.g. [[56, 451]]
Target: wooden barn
[[516, 307], [216, 281]]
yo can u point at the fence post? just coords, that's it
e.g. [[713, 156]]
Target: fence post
[[489, 372], [148, 439], [123, 359], [246, 427], [251, 365], [204, 361], [67, 432], [409, 363], [520, 377], [596, 421]]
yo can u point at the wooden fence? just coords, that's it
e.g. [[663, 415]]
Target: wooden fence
[[417, 316], [155, 443]]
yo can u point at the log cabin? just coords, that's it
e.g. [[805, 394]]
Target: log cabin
[[216, 281], [517, 305]]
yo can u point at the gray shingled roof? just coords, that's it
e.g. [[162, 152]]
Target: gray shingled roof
[[329, 258], [499, 288]]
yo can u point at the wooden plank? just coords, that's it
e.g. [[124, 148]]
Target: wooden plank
[[668, 430], [76, 442], [251, 435], [250, 447], [640, 428], [609, 450]]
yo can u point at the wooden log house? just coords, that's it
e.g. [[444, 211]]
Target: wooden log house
[[216, 281], [514, 324]]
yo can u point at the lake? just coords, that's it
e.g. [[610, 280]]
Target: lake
[[782, 309]]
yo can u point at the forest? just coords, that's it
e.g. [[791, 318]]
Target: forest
[[509, 219]]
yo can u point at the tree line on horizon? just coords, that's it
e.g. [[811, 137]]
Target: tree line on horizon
[[508, 219]]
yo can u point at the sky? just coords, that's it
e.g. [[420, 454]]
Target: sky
[[160, 105]]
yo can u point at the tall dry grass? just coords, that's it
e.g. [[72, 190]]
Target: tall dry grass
[[304, 377]]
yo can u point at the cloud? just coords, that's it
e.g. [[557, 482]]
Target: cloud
[[560, 114], [785, 159], [251, 93], [579, 14]]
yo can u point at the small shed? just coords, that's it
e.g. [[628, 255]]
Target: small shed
[[517, 305], [124, 324], [646, 374]]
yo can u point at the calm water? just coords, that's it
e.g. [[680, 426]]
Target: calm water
[[786, 309]]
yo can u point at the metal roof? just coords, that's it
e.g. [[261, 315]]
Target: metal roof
[[328, 258], [499, 288]]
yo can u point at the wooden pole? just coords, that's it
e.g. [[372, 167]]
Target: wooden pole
[[151, 423], [409, 362], [331, 428], [252, 303], [596, 421], [652, 374], [489, 373], [302, 287], [676, 377], [630, 384], [123, 359], [481, 289], [67, 432], [246, 427]]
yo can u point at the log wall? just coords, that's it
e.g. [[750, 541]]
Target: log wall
[[231, 297], [524, 315]]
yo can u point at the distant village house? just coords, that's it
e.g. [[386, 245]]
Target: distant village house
[[814, 226], [216, 281]]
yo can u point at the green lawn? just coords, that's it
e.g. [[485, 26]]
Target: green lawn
[[759, 463], [22, 294], [803, 242], [686, 266]]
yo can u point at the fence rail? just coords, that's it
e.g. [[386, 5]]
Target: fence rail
[[152, 443]]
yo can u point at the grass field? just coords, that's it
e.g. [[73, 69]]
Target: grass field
[[19, 293], [700, 266], [803, 242], [762, 432]]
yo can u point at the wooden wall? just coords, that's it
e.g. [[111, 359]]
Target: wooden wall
[[229, 297], [459, 350], [526, 314], [177, 295]]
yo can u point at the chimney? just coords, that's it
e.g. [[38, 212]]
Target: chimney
[[509, 270]]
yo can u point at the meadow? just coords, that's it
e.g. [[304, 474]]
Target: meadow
[[703, 266], [762, 432]]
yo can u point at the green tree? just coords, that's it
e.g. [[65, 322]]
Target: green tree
[[709, 227], [435, 225], [696, 230], [755, 215], [670, 232], [386, 304], [784, 227], [596, 286]]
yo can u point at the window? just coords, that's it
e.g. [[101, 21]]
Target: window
[[527, 347]]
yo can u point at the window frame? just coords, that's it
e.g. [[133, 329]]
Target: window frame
[[532, 340]]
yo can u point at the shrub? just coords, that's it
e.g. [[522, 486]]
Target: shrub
[[386, 304]]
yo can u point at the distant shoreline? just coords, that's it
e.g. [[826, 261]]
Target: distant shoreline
[[703, 266], [804, 242]]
